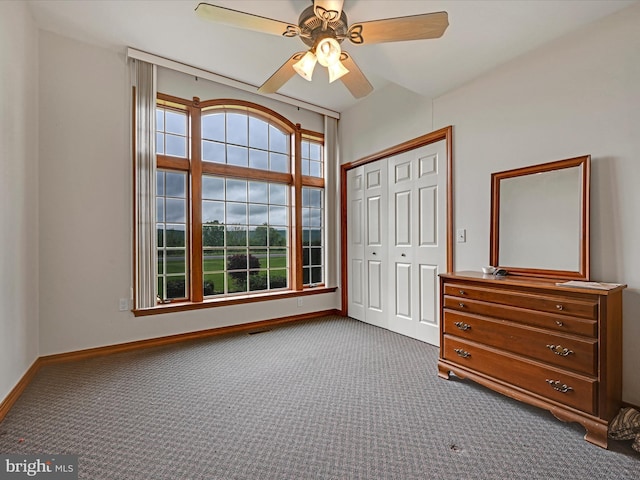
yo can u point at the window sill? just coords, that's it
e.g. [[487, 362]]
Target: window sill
[[224, 302]]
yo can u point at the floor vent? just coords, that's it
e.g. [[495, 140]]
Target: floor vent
[[255, 332]]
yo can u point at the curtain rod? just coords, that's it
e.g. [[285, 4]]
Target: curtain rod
[[197, 72]]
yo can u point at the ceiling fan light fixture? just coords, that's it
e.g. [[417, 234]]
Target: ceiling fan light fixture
[[322, 27], [304, 67], [328, 51], [336, 71]]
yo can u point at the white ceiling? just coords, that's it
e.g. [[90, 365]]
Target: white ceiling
[[481, 35]]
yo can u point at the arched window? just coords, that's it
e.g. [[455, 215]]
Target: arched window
[[240, 201]]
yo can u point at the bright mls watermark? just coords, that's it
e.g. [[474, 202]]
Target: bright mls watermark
[[49, 467]]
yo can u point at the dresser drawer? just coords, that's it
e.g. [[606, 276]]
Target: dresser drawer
[[559, 305], [552, 383], [567, 352], [552, 321]]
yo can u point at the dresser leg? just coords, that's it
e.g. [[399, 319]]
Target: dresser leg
[[443, 371], [596, 431], [597, 435]]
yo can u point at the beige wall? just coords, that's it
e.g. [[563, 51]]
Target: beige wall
[[18, 194], [579, 95], [85, 210], [362, 131]]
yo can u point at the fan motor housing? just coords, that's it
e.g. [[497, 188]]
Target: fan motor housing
[[311, 27]]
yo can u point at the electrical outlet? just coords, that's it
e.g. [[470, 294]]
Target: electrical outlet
[[300, 302], [124, 304], [461, 235]]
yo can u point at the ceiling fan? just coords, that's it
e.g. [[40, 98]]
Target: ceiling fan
[[323, 26]]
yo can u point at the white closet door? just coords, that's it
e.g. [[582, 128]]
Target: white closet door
[[355, 246], [367, 238], [416, 240], [375, 238]]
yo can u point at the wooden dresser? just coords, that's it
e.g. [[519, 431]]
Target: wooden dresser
[[554, 347]]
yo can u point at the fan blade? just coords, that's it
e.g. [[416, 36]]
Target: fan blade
[[281, 76], [355, 80], [328, 10], [414, 27], [248, 21]]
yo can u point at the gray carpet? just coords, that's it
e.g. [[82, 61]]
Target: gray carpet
[[331, 398]]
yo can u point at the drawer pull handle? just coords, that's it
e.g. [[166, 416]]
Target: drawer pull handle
[[558, 386], [559, 307], [559, 323], [559, 350], [462, 353], [462, 305], [462, 292], [462, 326]]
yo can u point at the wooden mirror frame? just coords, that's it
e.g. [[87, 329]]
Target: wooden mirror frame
[[583, 268]]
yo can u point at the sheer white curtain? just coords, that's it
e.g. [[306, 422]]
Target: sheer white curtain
[[332, 204], [143, 76]]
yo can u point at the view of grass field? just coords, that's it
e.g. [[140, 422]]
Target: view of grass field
[[175, 265], [270, 273]]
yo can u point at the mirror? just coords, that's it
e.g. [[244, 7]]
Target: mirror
[[540, 219]]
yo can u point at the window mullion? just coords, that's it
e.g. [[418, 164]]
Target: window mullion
[[296, 250], [196, 203]]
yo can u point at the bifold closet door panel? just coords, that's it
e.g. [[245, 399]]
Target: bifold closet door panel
[[355, 244], [367, 263], [376, 268], [416, 233]]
